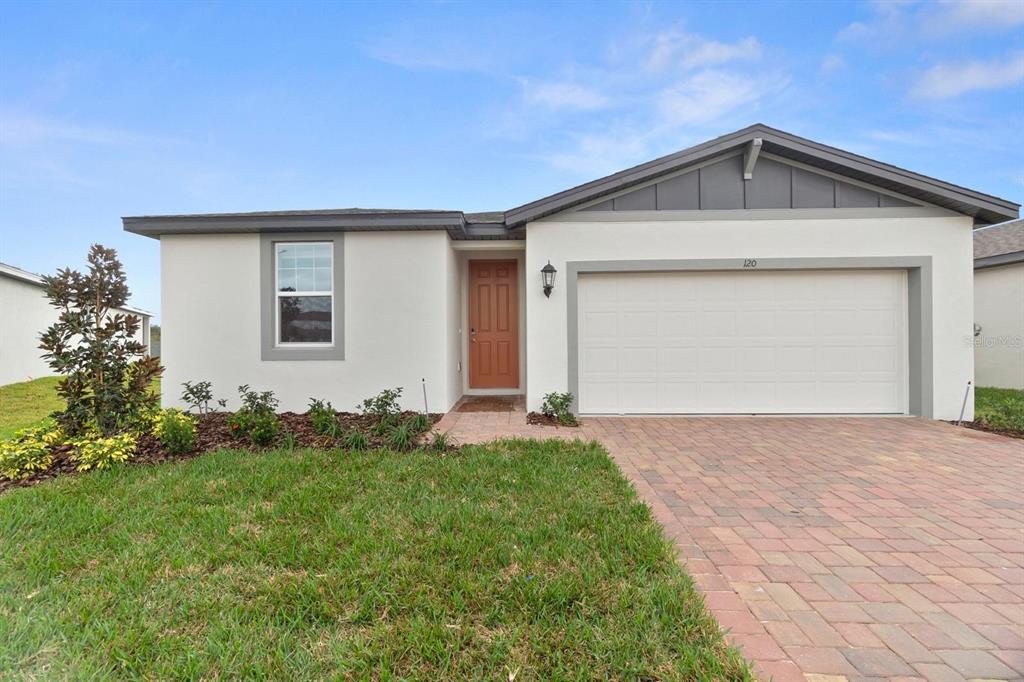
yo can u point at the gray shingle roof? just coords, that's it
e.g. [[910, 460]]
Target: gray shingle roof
[[995, 240], [984, 208]]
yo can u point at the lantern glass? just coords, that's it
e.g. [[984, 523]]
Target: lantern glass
[[547, 274]]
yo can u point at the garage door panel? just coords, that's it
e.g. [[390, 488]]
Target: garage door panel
[[675, 359], [743, 342]]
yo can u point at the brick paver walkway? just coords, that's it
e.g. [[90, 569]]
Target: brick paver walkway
[[833, 548]]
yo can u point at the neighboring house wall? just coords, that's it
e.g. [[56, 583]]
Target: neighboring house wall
[[397, 296], [945, 238], [999, 310], [26, 314]]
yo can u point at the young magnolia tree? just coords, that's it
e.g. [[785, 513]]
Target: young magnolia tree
[[106, 371]]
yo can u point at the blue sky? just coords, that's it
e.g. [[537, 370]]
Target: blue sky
[[121, 109]]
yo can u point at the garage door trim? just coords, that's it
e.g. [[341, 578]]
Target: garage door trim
[[919, 303]]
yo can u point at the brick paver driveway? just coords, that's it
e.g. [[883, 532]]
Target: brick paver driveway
[[835, 548]]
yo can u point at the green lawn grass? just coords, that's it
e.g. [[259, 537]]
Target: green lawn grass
[[29, 403], [1001, 408], [527, 559]]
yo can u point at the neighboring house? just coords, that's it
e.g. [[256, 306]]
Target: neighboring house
[[758, 272], [25, 313], [999, 305]]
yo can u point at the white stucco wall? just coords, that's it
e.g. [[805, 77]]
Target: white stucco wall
[[999, 309], [948, 240], [25, 314], [396, 304]]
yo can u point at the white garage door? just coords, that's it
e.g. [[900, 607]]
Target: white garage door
[[803, 342]]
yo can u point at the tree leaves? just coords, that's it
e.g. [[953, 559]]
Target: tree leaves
[[106, 370]]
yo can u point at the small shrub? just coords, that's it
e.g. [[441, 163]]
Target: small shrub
[[418, 423], [257, 401], [176, 431], [257, 419], [355, 440], [559, 406], [383, 405], [288, 441], [323, 417], [198, 396], [262, 429], [401, 438], [102, 453], [28, 451]]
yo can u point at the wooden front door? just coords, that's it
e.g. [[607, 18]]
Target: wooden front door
[[493, 324]]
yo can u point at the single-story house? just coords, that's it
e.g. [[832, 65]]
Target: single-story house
[[999, 305], [758, 272], [25, 313]]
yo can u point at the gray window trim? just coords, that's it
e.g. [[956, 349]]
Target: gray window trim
[[919, 305], [269, 350]]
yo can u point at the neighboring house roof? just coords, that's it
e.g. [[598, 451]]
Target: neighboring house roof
[[984, 208], [999, 244], [32, 278]]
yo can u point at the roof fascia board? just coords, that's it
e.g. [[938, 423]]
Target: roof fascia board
[[653, 181], [1000, 259], [628, 177], [155, 226], [850, 181], [889, 172], [634, 176]]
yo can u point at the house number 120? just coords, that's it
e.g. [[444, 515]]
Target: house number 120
[[750, 262]]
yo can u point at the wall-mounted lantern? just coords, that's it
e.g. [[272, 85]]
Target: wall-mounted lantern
[[547, 275]]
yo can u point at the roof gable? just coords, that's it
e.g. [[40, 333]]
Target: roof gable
[[856, 172], [720, 184]]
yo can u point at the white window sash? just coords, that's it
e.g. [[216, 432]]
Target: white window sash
[[298, 294]]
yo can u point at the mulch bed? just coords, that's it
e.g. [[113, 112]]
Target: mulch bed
[[539, 419], [982, 426], [213, 433]]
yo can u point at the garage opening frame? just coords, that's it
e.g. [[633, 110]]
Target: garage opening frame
[[919, 304]]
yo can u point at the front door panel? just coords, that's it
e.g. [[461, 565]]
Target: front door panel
[[493, 324]]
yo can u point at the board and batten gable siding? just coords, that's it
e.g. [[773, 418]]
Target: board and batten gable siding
[[941, 238], [719, 185], [25, 313], [395, 296]]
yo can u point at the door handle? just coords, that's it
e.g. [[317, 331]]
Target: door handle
[[472, 335]]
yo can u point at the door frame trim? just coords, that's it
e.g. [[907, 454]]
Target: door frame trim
[[919, 305], [517, 264]]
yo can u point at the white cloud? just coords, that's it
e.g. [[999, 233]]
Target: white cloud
[[23, 130], [563, 95], [953, 16], [832, 63], [708, 96], [601, 153], [947, 80], [678, 50], [896, 22]]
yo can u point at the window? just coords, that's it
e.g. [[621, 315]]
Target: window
[[304, 275]]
